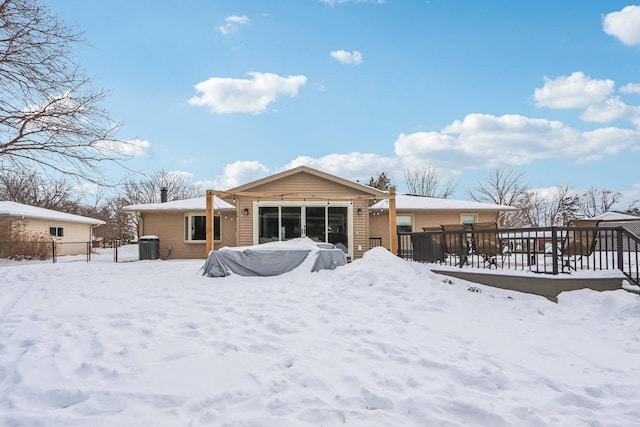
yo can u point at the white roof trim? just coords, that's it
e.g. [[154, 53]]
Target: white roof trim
[[197, 204], [616, 216], [8, 208], [411, 202]]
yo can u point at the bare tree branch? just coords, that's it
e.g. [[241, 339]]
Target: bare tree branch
[[147, 189], [544, 209], [594, 202], [50, 116], [427, 182], [502, 187], [33, 189]]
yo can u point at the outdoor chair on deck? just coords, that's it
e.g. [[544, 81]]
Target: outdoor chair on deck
[[578, 243], [455, 242], [486, 242], [428, 247]]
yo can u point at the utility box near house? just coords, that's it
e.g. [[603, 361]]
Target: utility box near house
[[149, 247]]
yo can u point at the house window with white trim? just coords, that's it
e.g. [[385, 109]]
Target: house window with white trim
[[56, 231], [404, 223], [195, 228], [468, 218]]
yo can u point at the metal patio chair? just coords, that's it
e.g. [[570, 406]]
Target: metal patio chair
[[486, 242], [578, 243], [455, 242]]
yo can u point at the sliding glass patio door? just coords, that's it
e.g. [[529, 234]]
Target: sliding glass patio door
[[315, 223], [321, 223]]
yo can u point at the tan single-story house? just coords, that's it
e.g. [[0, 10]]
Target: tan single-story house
[[71, 232], [608, 240], [413, 213], [296, 203]]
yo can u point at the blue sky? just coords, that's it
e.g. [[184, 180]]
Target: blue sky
[[232, 90]]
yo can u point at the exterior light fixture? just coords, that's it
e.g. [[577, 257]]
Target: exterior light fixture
[[245, 211]]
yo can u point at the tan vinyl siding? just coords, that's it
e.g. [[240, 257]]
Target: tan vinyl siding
[[305, 183], [436, 218], [169, 227], [309, 187], [245, 223], [228, 230], [360, 228], [74, 239], [379, 224]]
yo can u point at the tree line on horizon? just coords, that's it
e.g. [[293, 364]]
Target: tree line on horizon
[[502, 186]]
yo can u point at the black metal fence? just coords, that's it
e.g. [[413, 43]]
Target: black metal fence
[[43, 250], [546, 250]]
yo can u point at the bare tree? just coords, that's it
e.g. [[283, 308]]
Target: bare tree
[[33, 189], [502, 187], [118, 225], [50, 116], [533, 209], [147, 189], [544, 209], [381, 182], [427, 182], [594, 202]]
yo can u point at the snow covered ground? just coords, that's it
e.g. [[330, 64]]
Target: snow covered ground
[[379, 342]]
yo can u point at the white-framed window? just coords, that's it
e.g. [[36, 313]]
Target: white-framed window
[[404, 223], [195, 227], [468, 218], [56, 231]]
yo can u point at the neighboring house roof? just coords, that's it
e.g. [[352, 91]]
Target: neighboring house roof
[[616, 216], [33, 212], [197, 204], [361, 188], [412, 202]]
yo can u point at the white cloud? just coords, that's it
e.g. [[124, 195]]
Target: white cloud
[[607, 111], [630, 197], [352, 58], [482, 140], [180, 176], [237, 173], [189, 161], [625, 25], [127, 147], [227, 95], [575, 91], [354, 166], [232, 24], [630, 88], [87, 188]]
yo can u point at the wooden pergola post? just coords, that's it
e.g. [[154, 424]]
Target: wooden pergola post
[[393, 232], [209, 226]]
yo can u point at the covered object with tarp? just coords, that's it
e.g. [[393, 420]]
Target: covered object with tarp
[[272, 259]]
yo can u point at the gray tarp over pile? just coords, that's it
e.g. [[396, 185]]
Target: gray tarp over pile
[[251, 262]]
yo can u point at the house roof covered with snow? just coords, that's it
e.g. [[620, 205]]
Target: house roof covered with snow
[[616, 216], [197, 204], [412, 202], [14, 209]]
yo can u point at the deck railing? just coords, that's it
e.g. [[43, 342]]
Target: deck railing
[[546, 250]]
